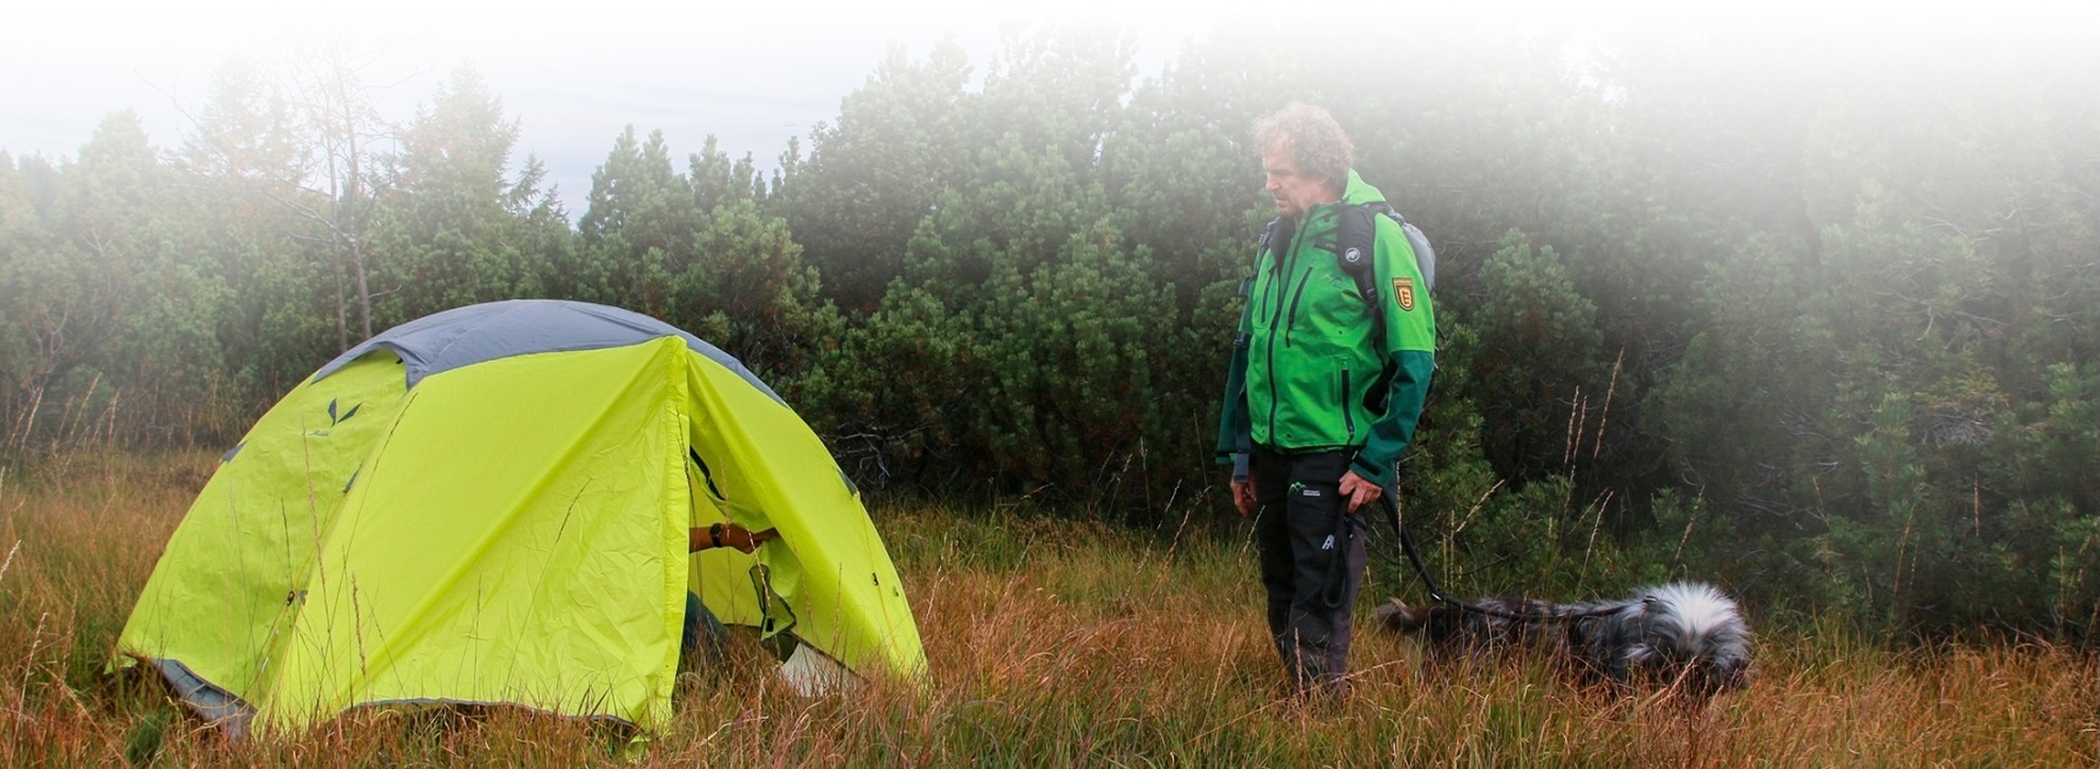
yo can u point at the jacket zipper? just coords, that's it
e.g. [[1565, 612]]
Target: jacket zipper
[[1290, 324], [1348, 414], [1288, 256]]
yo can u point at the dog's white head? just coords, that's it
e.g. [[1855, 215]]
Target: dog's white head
[[1695, 630]]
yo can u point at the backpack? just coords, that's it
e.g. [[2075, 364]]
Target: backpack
[[1354, 237]]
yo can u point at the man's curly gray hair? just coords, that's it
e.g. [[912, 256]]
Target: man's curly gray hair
[[1312, 137]]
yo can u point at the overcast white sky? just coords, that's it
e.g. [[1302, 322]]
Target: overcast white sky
[[752, 73], [575, 74]]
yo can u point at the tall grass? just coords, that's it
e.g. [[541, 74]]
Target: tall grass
[[1052, 643]]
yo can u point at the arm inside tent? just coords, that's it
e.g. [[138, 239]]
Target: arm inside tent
[[727, 535]]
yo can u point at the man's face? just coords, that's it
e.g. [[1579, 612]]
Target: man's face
[[1294, 190]]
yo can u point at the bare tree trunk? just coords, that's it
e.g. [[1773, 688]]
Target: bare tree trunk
[[342, 123], [364, 288], [355, 220], [342, 323]]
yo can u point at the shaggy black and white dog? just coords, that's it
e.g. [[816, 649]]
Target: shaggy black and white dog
[[1679, 634]]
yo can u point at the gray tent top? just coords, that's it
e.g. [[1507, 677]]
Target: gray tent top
[[476, 333]]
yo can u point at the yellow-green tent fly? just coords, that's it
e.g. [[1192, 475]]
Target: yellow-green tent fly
[[491, 505]]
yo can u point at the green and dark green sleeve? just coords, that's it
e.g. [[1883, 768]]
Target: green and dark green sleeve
[[1234, 442], [1410, 330]]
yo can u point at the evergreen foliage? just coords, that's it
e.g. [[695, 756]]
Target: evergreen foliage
[[1826, 332]]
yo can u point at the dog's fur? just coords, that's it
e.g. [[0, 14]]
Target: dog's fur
[[1679, 634]]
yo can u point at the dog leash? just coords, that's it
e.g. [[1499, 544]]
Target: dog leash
[[1414, 556]]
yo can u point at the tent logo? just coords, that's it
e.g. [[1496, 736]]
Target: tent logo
[[334, 419]]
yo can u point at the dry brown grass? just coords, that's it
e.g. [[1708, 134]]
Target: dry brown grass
[[1051, 644]]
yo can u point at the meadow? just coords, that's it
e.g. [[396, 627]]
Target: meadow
[[1051, 643]]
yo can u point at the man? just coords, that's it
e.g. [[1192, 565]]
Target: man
[[1323, 393]]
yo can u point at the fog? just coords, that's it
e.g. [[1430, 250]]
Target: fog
[[755, 74], [752, 74], [1801, 298]]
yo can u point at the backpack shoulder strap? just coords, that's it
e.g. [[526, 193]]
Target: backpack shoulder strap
[[1355, 243], [1269, 234], [1359, 231], [1354, 239]]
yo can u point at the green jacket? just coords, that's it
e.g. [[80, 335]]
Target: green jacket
[[1306, 373]]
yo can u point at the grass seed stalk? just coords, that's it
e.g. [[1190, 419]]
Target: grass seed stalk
[[1052, 642]]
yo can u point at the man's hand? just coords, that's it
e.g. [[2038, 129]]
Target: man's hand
[[730, 535], [1243, 496], [744, 539], [1358, 491]]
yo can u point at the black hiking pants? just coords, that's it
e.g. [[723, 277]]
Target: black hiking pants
[[1312, 562]]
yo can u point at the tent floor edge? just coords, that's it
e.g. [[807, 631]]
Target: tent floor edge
[[213, 704]]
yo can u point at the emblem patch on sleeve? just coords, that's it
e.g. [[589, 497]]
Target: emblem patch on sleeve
[[1404, 293]]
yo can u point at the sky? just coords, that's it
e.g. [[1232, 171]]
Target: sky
[[573, 74], [751, 73]]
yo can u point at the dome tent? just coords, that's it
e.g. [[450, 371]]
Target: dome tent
[[491, 505]]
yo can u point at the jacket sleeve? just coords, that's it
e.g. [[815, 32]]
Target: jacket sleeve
[[1410, 349], [1234, 442]]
